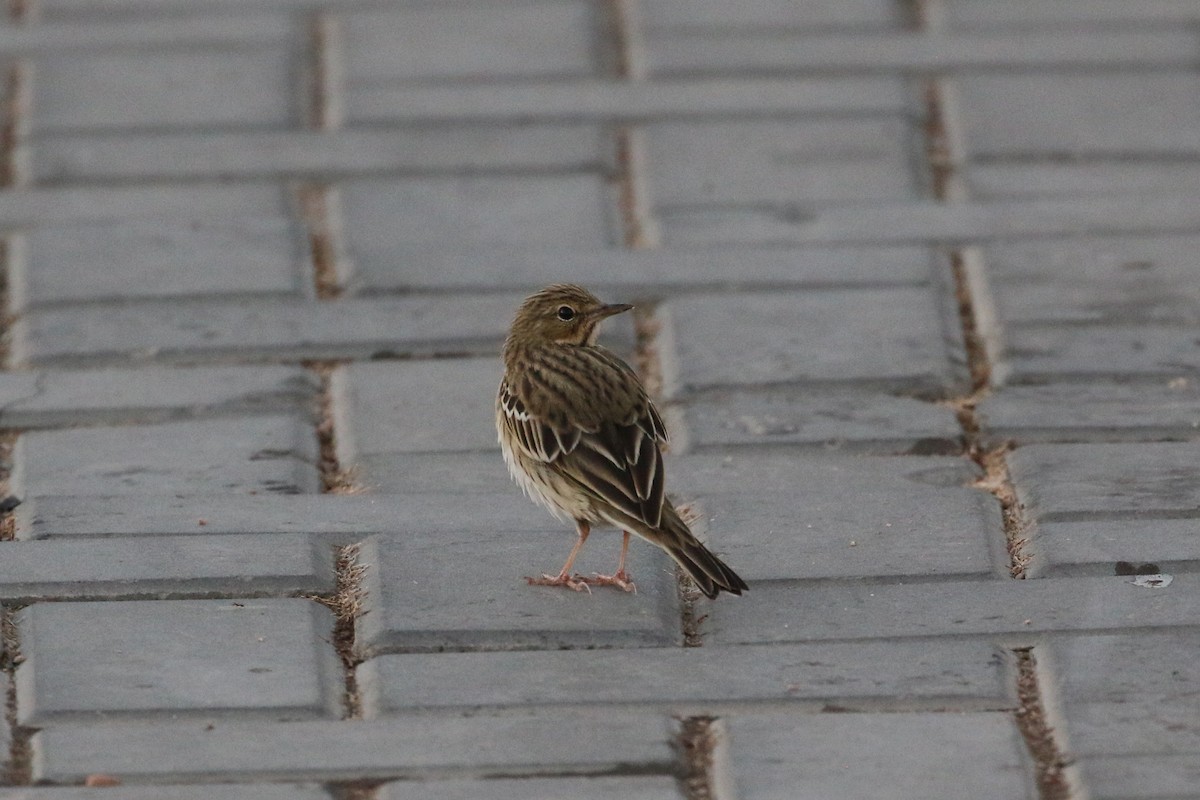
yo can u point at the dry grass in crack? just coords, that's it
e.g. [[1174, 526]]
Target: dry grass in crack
[[334, 478], [356, 790], [1049, 763], [697, 741], [997, 481], [628, 201], [973, 341], [937, 142], [20, 755], [689, 593], [645, 357], [347, 600], [347, 603], [314, 209], [16, 113], [8, 520]]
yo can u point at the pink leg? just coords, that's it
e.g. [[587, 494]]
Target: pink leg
[[620, 578], [563, 578]]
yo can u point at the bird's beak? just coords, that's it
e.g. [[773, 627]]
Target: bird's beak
[[603, 312]]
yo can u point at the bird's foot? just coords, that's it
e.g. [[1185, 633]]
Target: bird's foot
[[575, 582], [620, 579]]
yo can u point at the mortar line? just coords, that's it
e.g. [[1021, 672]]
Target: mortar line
[[8, 504], [348, 596], [324, 111], [945, 152], [23, 12], [696, 742], [17, 88], [1050, 765], [14, 172], [317, 203], [696, 745], [19, 771], [946, 155]]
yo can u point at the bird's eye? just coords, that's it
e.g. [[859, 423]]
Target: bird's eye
[[566, 313]]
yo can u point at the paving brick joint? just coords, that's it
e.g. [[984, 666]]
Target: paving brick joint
[[258, 261]]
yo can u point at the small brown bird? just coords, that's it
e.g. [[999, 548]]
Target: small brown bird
[[582, 438]]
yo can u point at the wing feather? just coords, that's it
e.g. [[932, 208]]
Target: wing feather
[[609, 445]]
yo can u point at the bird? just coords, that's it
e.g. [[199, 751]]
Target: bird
[[582, 437]]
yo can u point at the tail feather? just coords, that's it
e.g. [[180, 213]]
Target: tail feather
[[710, 573]]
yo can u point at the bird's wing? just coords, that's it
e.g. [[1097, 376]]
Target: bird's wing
[[585, 411]]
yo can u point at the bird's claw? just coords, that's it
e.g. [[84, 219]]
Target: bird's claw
[[575, 582], [620, 579]]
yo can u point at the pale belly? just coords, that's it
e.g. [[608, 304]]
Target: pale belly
[[544, 486]]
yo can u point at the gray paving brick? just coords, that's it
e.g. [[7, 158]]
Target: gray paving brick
[[523, 40], [341, 518], [783, 516], [1094, 411], [1010, 179], [1158, 726], [799, 612], [1070, 114], [161, 567], [841, 419], [1097, 545], [1043, 353], [1129, 697], [465, 475], [219, 241], [211, 657], [108, 30], [467, 591], [241, 87], [782, 224], [770, 14], [896, 337], [633, 273], [571, 210], [748, 52], [512, 148], [249, 791], [1117, 667], [659, 787], [1073, 481], [251, 454], [208, 203], [91, 262], [916, 756], [959, 674], [747, 161], [50, 398], [1141, 777], [361, 329], [389, 407], [159, 750], [595, 100], [127, 10], [1068, 13], [1096, 280]]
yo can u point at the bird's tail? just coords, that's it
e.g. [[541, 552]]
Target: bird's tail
[[710, 573]]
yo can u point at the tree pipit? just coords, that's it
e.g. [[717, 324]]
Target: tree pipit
[[582, 438]]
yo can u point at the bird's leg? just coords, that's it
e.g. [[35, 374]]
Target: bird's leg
[[563, 578], [620, 578]]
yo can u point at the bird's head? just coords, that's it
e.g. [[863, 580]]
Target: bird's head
[[560, 314]]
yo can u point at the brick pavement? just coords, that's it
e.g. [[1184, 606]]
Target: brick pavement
[[917, 290]]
